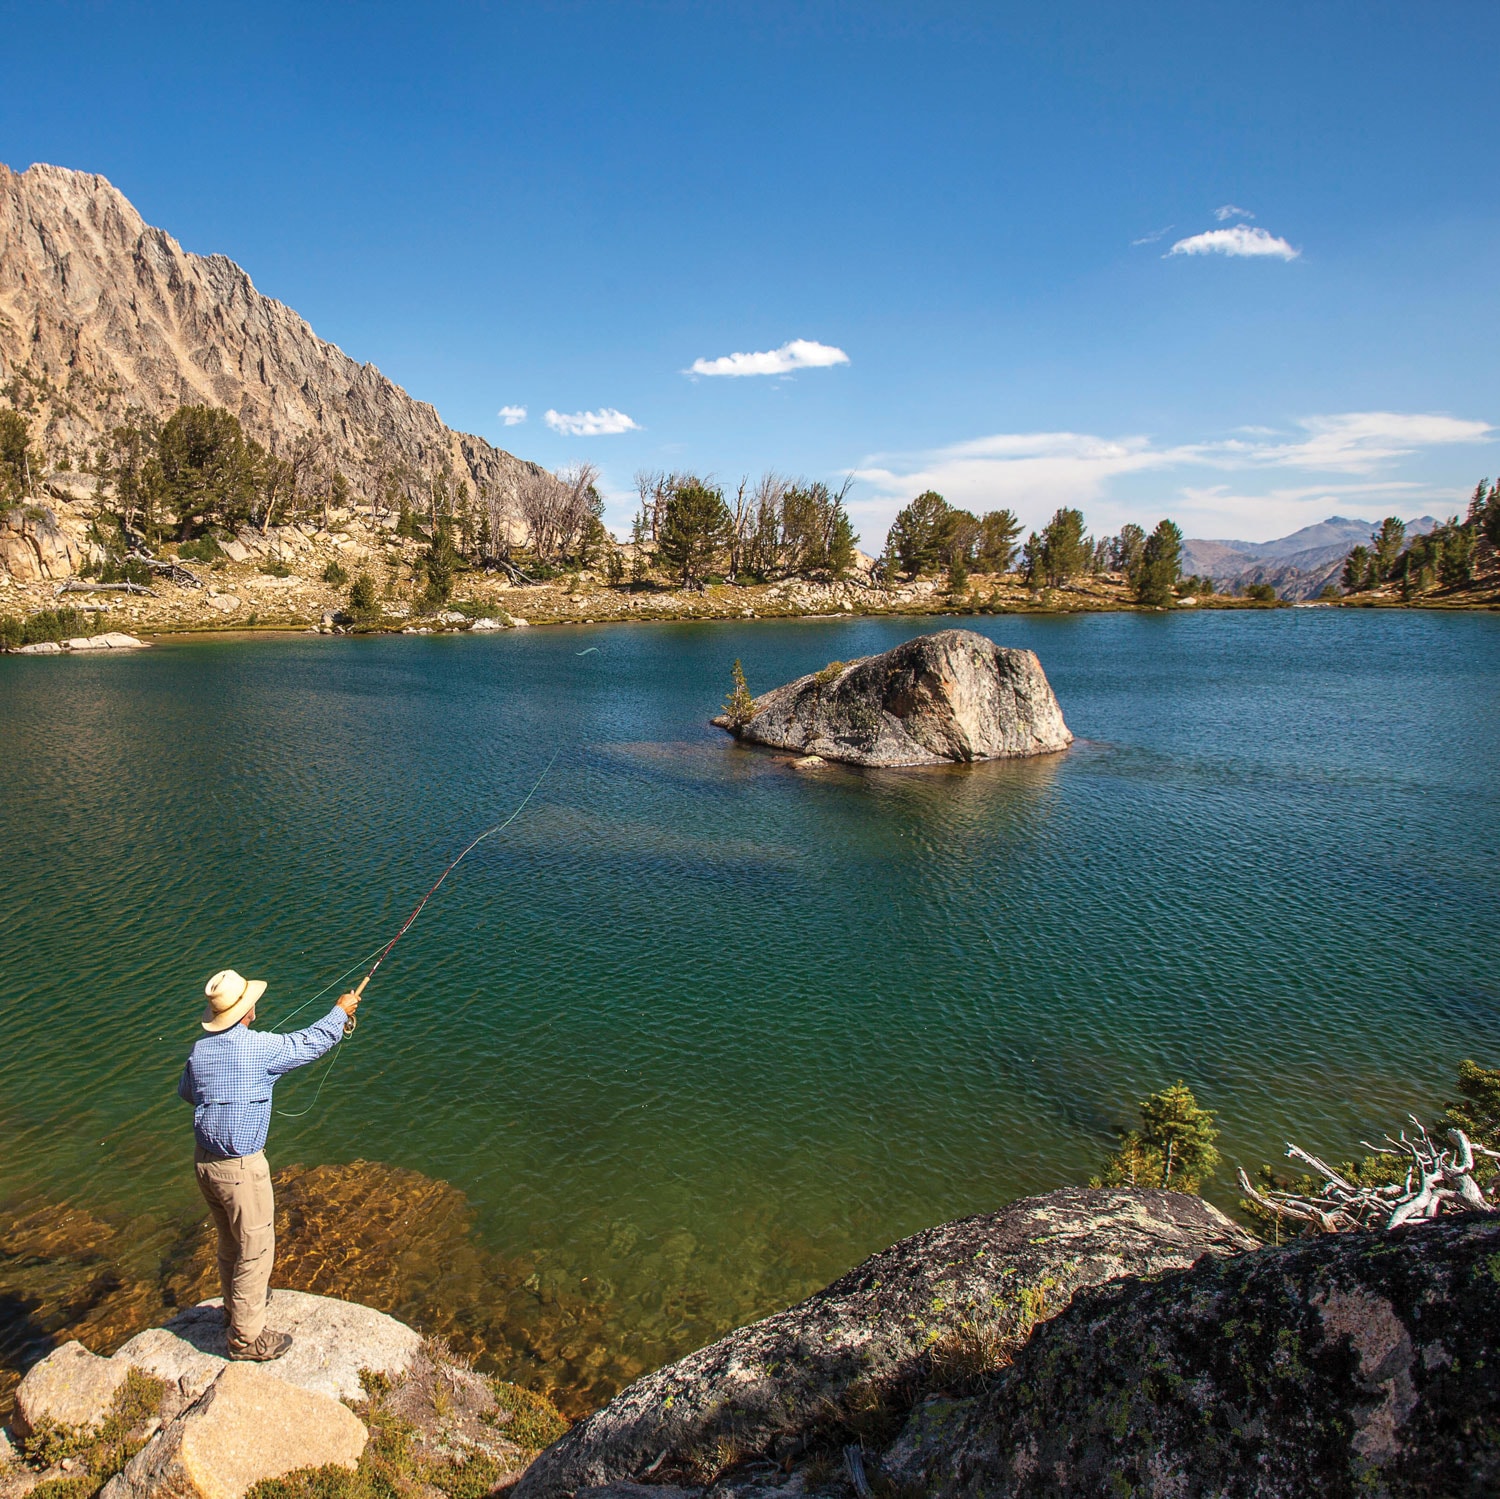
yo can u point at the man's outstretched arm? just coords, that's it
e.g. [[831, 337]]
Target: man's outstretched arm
[[298, 1048]]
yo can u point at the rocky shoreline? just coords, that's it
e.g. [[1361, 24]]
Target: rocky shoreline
[[1087, 1341], [279, 580]]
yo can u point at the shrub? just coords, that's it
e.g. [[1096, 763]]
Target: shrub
[[203, 549], [126, 570], [363, 603], [50, 624], [334, 573], [276, 568], [1262, 593]]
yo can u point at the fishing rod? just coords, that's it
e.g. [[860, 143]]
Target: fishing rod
[[453, 864]]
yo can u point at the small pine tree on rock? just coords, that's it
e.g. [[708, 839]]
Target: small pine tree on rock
[[739, 706], [1173, 1148]]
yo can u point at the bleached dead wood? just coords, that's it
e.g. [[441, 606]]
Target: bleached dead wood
[[1435, 1176], [74, 585]]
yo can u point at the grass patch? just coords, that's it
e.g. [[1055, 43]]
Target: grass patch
[[828, 673], [534, 1421], [398, 1462], [101, 1452]]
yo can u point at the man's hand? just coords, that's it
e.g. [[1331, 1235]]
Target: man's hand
[[348, 1003]]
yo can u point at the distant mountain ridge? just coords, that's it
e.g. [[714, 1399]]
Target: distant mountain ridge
[[99, 313], [1297, 566]]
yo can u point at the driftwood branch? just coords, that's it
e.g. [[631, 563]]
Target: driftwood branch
[[1436, 1176], [514, 573], [854, 1469], [175, 572], [74, 585]]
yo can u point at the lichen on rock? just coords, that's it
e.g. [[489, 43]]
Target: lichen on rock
[[1358, 1363], [857, 1355]]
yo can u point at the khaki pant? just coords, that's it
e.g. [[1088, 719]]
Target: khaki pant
[[238, 1194]]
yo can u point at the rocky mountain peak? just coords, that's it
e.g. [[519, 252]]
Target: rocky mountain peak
[[100, 313]]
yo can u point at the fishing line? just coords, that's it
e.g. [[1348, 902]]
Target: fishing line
[[384, 952]]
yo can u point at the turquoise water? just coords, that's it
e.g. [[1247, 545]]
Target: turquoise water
[[705, 1029]]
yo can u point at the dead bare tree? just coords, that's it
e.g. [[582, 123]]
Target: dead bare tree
[[578, 506], [557, 509], [295, 470], [741, 522], [1435, 1176]]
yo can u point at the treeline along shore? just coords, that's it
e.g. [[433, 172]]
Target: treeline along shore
[[189, 524]]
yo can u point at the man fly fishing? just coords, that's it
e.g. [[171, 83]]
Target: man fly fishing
[[228, 1079]]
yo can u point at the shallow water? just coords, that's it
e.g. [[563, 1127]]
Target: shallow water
[[699, 1031]]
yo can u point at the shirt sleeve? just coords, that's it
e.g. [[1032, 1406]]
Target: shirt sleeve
[[185, 1083], [298, 1048]]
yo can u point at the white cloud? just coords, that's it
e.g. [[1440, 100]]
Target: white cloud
[[1229, 211], [799, 354], [1359, 441], [512, 416], [1033, 473], [606, 422], [1154, 236], [1238, 241]]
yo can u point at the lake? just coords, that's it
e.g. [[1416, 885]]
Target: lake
[[698, 1031]]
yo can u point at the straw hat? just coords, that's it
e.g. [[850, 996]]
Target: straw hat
[[230, 999]]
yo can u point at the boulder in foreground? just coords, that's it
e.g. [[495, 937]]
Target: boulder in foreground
[[1356, 1363], [248, 1426], [332, 1341], [70, 1387], [879, 1336], [939, 699]]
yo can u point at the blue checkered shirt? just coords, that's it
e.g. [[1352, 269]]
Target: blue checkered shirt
[[230, 1074]]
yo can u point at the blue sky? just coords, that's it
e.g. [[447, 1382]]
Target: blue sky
[[564, 207]]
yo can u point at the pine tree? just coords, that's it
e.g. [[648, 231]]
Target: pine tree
[[1160, 565], [890, 565], [1173, 1148], [739, 706], [693, 531], [639, 562], [438, 562], [999, 532], [1386, 547]]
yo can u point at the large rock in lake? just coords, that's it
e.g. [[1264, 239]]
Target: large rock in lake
[[880, 1336], [953, 696]]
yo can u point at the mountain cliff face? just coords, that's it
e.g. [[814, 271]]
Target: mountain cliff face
[[99, 313]]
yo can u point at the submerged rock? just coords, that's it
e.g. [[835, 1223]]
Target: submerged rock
[[1358, 1363], [938, 699], [881, 1335]]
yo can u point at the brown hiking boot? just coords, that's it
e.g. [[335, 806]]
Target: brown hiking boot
[[267, 1346]]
